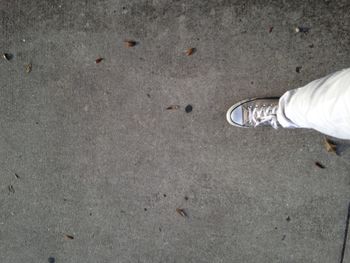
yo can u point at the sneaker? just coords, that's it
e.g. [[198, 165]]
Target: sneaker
[[254, 112]]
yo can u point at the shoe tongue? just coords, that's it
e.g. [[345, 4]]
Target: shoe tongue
[[245, 115]]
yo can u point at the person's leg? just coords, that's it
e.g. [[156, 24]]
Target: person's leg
[[323, 105]]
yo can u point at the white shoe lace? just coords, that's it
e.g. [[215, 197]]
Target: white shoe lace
[[260, 115]]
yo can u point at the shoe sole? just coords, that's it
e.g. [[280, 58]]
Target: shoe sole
[[228, 114]]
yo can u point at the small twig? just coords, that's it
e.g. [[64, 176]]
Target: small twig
[[130, 43], [320, 165], [302, 29], [173, 107], [68, 237], [345, 235], [181, 212]]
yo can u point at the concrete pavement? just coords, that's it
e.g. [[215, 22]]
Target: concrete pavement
[[99, 158]]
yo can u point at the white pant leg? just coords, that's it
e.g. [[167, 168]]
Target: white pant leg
[[323, 105]]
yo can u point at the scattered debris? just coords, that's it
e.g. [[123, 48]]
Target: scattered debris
[[330, 146], [284, 237], [7, 56], [130, 43], [145, 209], [148, 95], [188, 108], [68, 237], [190, 51], [186, 198], [311, 45], [181, 212], [98, 60], [275, 227], [270, 29], [160, 229], [298, 69], [11, 189], [28, 67], [320, 165], [173, 107], [17, 176], [51, 260], [302, 29], [164, 195], [288, 219]]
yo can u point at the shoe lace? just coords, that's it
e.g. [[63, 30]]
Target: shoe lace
[[260, 115]]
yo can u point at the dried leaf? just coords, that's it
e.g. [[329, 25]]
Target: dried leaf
[[17, 176], [330, 146], [190, 51], [130, 43], [173, 107], [68, 237], [320, 165], [181, 212], [270, 29], [298, 69], [28, 67], [11, 189], [98, 60]]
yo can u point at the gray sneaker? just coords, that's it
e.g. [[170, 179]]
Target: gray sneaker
[[254, 112]]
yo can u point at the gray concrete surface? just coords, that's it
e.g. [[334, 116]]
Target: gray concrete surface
[[99, 158]]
